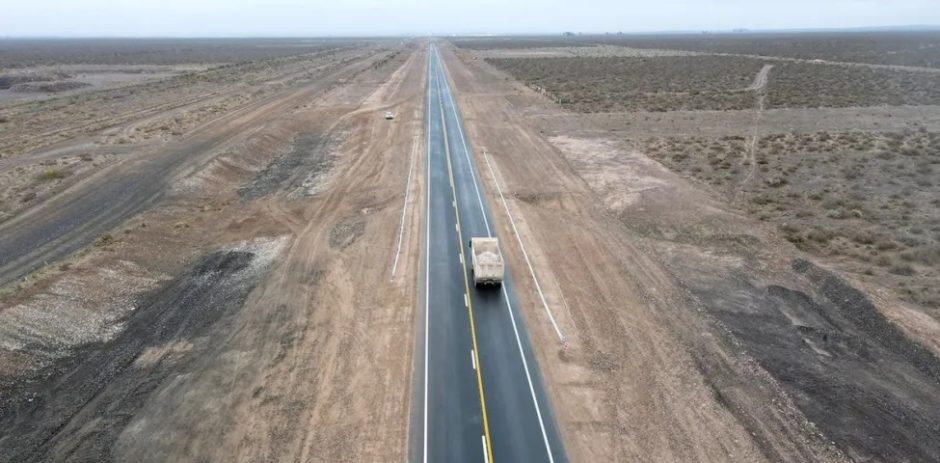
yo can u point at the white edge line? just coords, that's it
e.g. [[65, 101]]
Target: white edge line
[[401, 228], [538, 287], [512, 318], [427, 264], [528, 377]]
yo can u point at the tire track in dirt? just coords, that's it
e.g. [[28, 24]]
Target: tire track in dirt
[[759, 87]]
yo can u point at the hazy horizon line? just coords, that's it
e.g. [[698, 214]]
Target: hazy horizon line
[[742, 30]]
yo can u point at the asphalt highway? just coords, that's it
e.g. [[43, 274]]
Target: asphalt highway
[[480, 396]]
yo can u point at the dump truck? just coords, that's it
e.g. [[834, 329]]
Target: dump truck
[[487, 261]]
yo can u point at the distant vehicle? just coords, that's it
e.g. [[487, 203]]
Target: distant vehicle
[[488, 267], [389, 115]]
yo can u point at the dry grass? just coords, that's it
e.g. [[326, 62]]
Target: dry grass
[[671, 83], [868, 200], [889, 48], [805, 85], [639, 84], [19, 53]]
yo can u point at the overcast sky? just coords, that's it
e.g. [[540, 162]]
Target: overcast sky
[[201, 18]]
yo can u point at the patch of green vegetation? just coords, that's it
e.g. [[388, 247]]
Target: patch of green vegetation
[[52, 174]]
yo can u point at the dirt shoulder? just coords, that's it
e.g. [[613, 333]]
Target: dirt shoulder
[[694, 333]]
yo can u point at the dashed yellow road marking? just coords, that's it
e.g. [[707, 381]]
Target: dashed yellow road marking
[[466, 282]]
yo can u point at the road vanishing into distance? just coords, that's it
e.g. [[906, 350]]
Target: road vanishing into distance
[[480, 396]]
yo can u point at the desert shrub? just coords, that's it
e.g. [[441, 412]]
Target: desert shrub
[[603, 84], [777, 182], [886, 245], [864, 237], [51, 174], [104, 240], [763, 200], [930, 255], [820, 235], [911, 241], [902, 269], [815, 85]]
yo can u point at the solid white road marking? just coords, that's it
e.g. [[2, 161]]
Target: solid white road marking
[[427, 266], [512, 318], [401, 228], [538, 287], [528, 377]]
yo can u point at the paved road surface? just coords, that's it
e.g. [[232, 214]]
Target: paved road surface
[[480, 394]]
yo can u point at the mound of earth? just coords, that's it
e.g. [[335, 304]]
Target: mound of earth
[[11, 80], [49, 87]]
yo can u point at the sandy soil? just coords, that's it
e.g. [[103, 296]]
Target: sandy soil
[[586, 51], [240, 328], [693, 333], [730, 123]]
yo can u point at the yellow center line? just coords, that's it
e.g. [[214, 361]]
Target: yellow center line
[[466, 284]]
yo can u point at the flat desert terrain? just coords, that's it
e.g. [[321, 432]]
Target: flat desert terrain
[[724, 247]]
